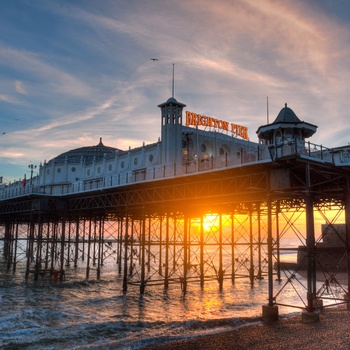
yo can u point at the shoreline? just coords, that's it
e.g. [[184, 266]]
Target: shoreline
[[331, 332], [288, 333]]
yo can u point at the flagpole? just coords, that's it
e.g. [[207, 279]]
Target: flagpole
[[172, 90], [267, 109]]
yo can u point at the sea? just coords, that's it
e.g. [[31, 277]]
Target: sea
[[96, 314]]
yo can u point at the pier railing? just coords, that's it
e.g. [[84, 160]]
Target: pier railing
[[308, 150], [254, 153]]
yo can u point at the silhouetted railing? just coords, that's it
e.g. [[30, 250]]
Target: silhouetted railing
[[305, 149]]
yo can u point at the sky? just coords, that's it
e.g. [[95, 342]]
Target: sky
[[73, 71]]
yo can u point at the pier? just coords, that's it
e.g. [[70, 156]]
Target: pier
[[195, 217]]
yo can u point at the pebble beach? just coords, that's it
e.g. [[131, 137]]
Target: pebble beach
[[331, 332]]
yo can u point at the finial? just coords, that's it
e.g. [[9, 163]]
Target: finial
[[285, 105]]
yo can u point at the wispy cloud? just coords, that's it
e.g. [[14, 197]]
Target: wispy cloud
[[20, 88], [8, 99], [60, 81], [89, 75]]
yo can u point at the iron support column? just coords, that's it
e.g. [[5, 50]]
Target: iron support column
[[88, 252], [259, 274], [233, 247], [166, 262], [269, 250], [76, 254], [202, 252], [143, 253], [310, 245], [221, 271], [120, 245], [347, 236], [15, 253], [30, 244], [38, 249], [185, 247], [63, 238], [278, 242], [251, 252], [309, 316], [270, 311], [160, 267], [126, 240]]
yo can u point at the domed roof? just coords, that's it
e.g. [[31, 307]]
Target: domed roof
[[286, 120], [171, 101], [86, 154], [286, 115]]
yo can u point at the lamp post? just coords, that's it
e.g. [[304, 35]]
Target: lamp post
[[31, 167]]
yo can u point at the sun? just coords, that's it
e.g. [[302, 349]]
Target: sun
[[209, 222]]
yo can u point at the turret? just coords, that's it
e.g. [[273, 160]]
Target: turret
[[171, 114], [286, 127]]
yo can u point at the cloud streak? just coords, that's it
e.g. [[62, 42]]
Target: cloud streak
[[88, 74]]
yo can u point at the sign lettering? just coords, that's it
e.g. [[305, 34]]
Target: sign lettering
[[193, 119]]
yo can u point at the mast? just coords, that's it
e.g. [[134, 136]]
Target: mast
[[173, 82], [267, 109]]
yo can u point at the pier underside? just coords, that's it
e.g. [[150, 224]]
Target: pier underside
[[225, 225]]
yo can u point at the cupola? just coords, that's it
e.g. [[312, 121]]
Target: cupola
[[286, 127]]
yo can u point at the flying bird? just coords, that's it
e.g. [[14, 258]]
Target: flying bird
[[154, 59], [4, 133]]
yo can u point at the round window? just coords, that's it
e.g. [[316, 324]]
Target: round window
[[73, 169], [58, 170]]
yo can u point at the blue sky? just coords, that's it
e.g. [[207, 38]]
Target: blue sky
[[73, 71]]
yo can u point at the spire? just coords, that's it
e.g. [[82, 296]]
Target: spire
[[173, 83]]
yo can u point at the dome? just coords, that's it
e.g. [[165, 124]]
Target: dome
[[286, 115], [171, 101], [86, 154]]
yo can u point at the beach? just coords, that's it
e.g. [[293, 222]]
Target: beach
[[288, 333], [331, 332]]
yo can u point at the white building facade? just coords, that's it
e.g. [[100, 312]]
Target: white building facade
[[189, 143]]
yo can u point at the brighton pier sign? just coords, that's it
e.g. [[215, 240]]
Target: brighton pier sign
[[194, 119]]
